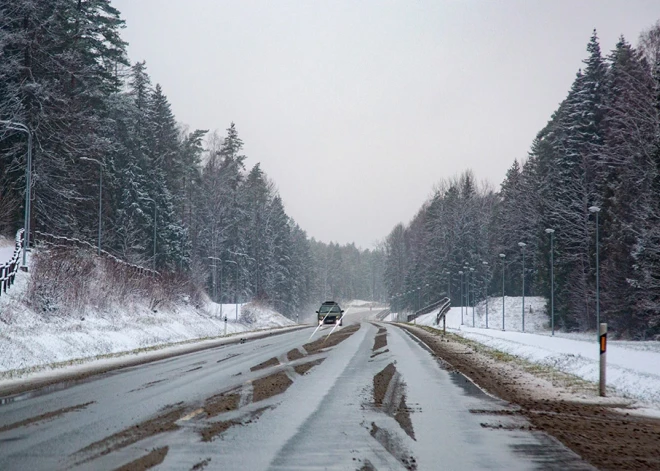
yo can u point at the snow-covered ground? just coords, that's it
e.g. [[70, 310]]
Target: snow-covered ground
[[6, 249], [361, 303], [633, 368], [29, 340]]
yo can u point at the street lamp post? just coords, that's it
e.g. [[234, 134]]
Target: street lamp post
[[461, 285], [466, 289], [101, 166], [596, 209], [486, 291], [473, 294], [503, 257], [28, 182], [522, 245], [552, 278]]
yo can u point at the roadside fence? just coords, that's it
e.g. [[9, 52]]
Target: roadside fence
[[8, 270]]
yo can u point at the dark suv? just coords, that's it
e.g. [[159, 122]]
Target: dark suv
[[330, 313]]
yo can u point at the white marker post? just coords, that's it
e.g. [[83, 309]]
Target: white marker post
[[603, 354]]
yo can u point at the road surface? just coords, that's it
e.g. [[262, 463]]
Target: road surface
[[370, 397]]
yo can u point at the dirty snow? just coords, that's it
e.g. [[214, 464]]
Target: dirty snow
[[633, 368]]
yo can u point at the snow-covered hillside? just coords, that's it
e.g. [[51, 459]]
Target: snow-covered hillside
[[30, 339]]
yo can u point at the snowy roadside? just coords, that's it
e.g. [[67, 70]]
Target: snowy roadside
[[6, 249], [31, 341], [79, 368], [633, 367]]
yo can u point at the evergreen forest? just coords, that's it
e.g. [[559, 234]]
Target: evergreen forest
[[597, 161], [185, 202]]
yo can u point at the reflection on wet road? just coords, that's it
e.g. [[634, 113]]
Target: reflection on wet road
[[369, 397]]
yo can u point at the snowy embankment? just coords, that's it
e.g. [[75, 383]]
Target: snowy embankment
[[31, 340], [633, 368]]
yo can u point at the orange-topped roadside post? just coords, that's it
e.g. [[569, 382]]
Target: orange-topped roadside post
[[603, 354]]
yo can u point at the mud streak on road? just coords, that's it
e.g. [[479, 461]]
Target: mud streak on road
[[221, 403], [201, 465], [305, 367], [380, 340], [266, 364], [294, 355], [210, 432], [334, 339], [43, 417], [270, 386], [159, 424], [381, 382], [148, 461], [394, 447]]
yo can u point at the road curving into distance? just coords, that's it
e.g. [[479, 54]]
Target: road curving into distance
[[368, 397]]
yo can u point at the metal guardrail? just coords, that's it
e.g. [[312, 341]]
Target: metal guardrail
[[444, 309], [426, 309], [8, 270], [383, 314]]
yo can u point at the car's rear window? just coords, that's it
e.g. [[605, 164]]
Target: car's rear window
[[329, 309]]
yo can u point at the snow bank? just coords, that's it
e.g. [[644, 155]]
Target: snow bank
[[633, 368], [7, 247], [31, 339], [359, 303]]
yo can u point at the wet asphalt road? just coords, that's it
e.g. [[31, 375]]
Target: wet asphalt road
[[328, 418]]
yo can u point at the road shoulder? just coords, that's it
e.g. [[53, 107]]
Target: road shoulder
[[74, 371], [558, 404]]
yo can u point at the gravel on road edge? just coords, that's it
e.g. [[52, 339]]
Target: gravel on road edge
[[606, 438]]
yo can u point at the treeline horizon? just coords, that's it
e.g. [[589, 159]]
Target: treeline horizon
[[599, 151], [65, 74]]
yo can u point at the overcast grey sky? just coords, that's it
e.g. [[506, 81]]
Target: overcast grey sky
[[357, 108]]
